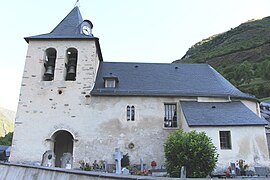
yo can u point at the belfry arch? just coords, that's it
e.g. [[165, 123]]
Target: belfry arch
[[63, 143]]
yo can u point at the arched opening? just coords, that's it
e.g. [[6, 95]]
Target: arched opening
[[72, 55], [63, 144], [49, 64]]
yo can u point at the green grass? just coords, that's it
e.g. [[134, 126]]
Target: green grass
[[265, 99]]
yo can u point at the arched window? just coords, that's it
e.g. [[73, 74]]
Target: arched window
[[130, 113], [49, 64], [71, 66]]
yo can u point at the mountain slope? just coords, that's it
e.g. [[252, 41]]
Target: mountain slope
[[241, 55], [7, 118]]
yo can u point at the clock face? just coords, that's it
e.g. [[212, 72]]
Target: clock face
[[86, 30]]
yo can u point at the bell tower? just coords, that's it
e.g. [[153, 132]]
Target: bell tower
[[60, 71]]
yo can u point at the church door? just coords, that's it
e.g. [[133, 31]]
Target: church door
[[63, 144]]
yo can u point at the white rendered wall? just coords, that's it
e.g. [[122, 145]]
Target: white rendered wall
[[41, 109], [248, 143]]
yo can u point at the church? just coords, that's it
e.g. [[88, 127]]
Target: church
[[71, 101]]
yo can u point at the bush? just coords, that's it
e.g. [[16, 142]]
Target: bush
[[125, 160], [193, 150], [7, 140]]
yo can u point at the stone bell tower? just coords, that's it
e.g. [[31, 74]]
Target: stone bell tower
[[60, 71]]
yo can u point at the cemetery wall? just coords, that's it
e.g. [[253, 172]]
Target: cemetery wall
[[27, 172]]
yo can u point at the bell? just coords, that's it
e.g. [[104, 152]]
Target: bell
[[71, 70], [49, 71]]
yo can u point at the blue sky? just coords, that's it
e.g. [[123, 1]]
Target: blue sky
[[129, 30]]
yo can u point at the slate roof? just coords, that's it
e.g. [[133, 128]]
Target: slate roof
[[164, 79], [219, 114], [68, 28]]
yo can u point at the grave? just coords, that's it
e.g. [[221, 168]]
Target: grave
[[141, 163], [233, 169], [118, 156], [261, 171], [183, 173], [66, 161], [48, 159]]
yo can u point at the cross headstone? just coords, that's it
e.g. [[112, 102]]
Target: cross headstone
[[48, 159], [67, 161], [118, 156]]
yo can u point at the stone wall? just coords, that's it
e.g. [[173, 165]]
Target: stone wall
[[27, 172]]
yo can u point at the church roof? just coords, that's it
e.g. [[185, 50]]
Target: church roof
[[219, 114], [162, 79], [68, 28]]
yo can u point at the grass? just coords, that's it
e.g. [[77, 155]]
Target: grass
[[265, 99]]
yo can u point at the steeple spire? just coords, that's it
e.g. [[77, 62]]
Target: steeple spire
[[69, 28]]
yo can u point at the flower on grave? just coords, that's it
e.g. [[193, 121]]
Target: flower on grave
[[153, 164]]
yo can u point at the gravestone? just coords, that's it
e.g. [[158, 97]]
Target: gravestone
[[183, 173], [118, 156], [48, 159], [233, 169], [67, 161], [125, 171], [141, 163]]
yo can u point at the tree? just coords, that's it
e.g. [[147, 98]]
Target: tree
[[7, 140], [193, 150]]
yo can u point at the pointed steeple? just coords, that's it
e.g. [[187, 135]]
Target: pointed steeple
[[69, 25], [69, 28]]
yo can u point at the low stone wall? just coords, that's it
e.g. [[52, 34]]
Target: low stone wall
[[12, 171]]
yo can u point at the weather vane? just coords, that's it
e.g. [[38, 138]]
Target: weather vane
[[77, 3]]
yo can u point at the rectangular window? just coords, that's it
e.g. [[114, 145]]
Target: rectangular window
[[225, 139], [110, 83], [170, 116]]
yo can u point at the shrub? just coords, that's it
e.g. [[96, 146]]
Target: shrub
[[125, 160], [193, 150], [7, 140]]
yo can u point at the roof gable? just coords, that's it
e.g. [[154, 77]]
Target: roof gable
[[219, 114]]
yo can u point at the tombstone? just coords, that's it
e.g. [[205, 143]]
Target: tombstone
[[141, 163], [233, 169], [66, 161], [118, 156], [105, 166], [48, 159], [183, 172], [125, 171]]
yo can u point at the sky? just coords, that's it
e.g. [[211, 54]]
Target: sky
[[158, 31]]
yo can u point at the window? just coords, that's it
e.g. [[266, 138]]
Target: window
[[110, 83], [130, 113], [225, 139], [49, 64], [170, 117], [71, 66]]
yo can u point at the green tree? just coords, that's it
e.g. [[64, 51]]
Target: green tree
[[7, 140], [264, 69], [193, 150], [244, 72]]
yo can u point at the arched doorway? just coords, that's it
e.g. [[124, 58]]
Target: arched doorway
[[63, 144]]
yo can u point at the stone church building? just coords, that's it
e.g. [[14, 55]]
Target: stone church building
[[73, 101]]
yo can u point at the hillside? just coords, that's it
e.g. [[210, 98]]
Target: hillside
[[241, 55], [6, 121]]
